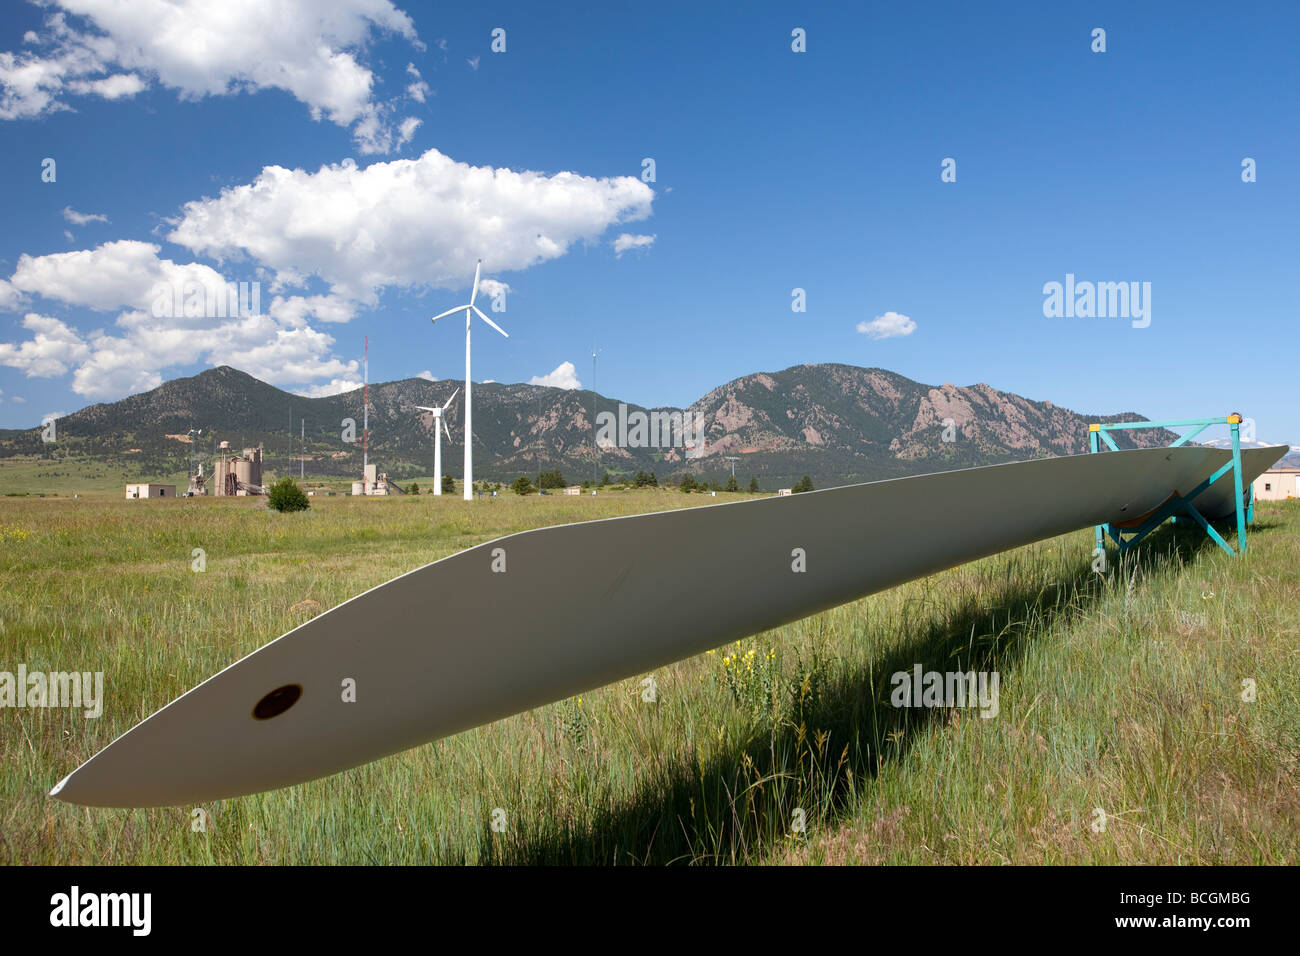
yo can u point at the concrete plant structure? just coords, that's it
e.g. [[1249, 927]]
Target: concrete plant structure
[[239, 475]]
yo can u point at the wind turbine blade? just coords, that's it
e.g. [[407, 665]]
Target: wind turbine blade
[[426, 408], [450, 400], [273, 719], [473, 293], [490, 322], [459, 308], [445, 428]]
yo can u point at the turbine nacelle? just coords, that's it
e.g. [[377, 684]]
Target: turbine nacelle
[[437, 411]]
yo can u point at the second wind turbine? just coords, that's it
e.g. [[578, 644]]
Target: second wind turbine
[[469, 432], [439, 421]]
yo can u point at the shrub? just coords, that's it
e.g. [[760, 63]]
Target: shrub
[[522, 486], [285, 495]]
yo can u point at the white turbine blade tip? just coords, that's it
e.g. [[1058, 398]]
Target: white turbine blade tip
[[490, 322], [59, 786]]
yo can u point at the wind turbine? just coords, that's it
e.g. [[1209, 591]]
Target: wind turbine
[[438, 419], [469, 432], [193, 435]]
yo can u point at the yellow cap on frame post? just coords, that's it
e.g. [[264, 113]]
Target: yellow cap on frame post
[[1094, 428]]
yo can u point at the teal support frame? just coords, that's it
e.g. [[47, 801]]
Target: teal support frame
[[1099, 434]]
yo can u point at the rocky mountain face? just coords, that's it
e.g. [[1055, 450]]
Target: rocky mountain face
[[836, 423], [866, 423]]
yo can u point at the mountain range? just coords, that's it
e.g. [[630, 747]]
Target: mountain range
[[838, 424]]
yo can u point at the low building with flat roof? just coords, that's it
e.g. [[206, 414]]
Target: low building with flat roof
[[1277, 484], [148, 490]]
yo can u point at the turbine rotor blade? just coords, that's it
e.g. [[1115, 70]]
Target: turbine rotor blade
[[447, 404], [445, 428], [447, 313], [489, 321], [567, 582], [473, 293]]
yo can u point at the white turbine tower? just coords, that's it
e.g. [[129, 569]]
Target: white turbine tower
[[469, 431], [438, 419]]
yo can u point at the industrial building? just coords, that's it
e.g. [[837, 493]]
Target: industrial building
[[1277, 484], [237, 474], [376, 483], [198, 484], [147, 490]]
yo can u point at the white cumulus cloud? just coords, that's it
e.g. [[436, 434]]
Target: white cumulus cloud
[[628, 241], [417, 89], [335, 386], [277, 347], [116, 87], [408, 222], [114, 275], [563, 376], [47, 353], [295, 310], [891, 325], [81, 218], [114, 49]]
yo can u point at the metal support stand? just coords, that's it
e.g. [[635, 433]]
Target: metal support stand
[[1245, 498]]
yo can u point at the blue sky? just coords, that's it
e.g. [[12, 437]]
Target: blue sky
[[775, 170]]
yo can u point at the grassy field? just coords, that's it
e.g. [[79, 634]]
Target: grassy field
[[27, 475], [1120, 695]]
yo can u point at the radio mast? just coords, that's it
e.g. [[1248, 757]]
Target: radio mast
[[365, 423]]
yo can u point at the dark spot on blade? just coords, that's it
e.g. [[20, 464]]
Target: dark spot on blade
[[277, 702]]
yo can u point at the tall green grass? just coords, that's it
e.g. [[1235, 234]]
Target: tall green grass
[[1121, 692]]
